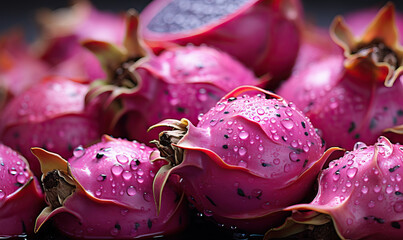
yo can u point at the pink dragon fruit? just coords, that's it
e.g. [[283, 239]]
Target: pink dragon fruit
[[105, 191], [360, 193], [142, 89], [250, 156], [21, 197], [263, 35], [51, 115], [19, 69], [64, 29], [356, 97]]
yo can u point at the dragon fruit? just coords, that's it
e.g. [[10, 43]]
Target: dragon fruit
[[360, 193], [249, 156], [356, 97], [105, 191], [19, 68], [21, 197], [62, 31], [52, 115], [263, 35], [143, 89]]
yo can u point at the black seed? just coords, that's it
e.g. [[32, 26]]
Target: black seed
[[117, 226], [395, 225], [305, 163], [103, 177], [267, 96], [70, 147], [352, 127], [2, 163], [282, 137], [397, 193], [136, 226], [323, 142], [337, 172], [180, 109], [149, 223], [379, 220], [394, 120], [394, 168], [226, 112], [226, 136], [225, 146], [18, 184], [231, 99], [137, 162], [221, 120], [303, 124], [99, 155], [385, 108], [298, 160], [306, 133], [278, 115], [372, 124], [16, 135], [241, 192], [177, 198], [400, 112], [264, 165], [211, 201], [357, 136], [212, 120]]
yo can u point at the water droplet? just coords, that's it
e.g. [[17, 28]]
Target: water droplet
[[116, 169], [359, 145], [380, 197], [242, 164], [266, 205], [243, 135], [131, 191], [256, 119], [202, 95], [276, 161], [371, 204], [124, 212], [261, 148], [287, 123], [208, 213], [356, 202], [140, 179], [365, 178], [273, 120], [288, 112], [98, 192], [349, 221], [200, 116], [276, 137], [21, 179], [336, 177], [348, 184], [123, 159], [114, 231], [389, 189], [294, 144], [2, 194], [398, 206], [147, 197], [213, 122], [127, 175], [287, 168], [242, 151], [398, 178], [305, 148], [351, 172], [79, 151], [134, 164], [260, 111], [140, 172], [364, 189], [377, 189], [220, 107], [293, 156]]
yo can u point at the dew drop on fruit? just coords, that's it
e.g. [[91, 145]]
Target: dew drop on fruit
[[377, 188], [116, 169], [147, 197], [2, 194], [98, 192], [351, 172], [21, 179], [336, 177], [208, 213], [349, 221], [364, 189], [261, 148], [140, 179], [12, 171], [287, 168], [260, 111], [371, 204], [276, 161], [79, 152], [359, 145], [131, 191], [123, 159], [293, 156], [389, 189]]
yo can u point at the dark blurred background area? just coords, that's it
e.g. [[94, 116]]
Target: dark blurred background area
[[22, 13]]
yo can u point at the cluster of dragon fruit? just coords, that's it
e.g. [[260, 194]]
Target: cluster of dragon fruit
[[243, 114]]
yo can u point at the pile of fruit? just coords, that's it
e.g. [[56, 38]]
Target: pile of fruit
[[203, 119]]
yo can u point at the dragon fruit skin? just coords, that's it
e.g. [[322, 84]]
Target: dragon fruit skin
[[250, 156], [62, 32], [273, 25], [353, 98], [109, 192], [361, 193], [51, 114], [180, 82], [19, 68], [21, 197]]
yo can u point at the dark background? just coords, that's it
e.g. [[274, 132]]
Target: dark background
[[21, 13]]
